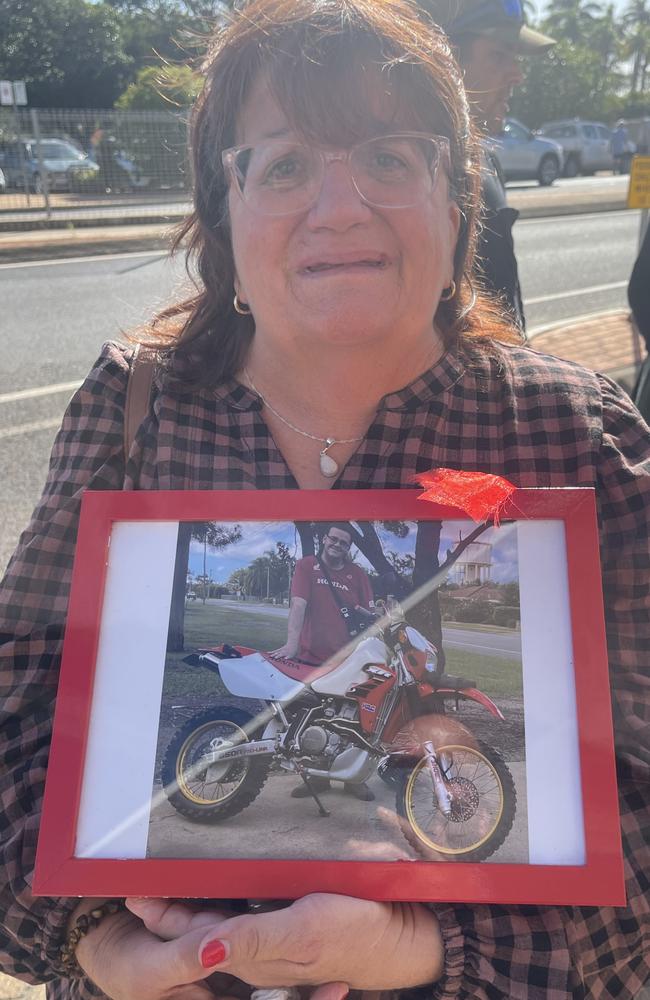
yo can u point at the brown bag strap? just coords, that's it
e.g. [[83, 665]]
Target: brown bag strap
[[138, 394]]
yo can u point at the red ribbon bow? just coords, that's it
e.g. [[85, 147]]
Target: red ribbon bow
[[479, 494]]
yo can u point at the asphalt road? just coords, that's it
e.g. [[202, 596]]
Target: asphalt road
[[56, 314]]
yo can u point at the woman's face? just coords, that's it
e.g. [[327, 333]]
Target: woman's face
[[279, 260]]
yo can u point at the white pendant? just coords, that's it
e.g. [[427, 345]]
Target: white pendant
[[328, 466]]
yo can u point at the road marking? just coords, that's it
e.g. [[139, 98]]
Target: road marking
[[35, 425], [86, 260], [587, 216], [42, 390], [576, 291], [502, 650]]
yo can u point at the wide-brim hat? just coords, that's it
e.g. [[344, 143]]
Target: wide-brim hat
[[491, 18]]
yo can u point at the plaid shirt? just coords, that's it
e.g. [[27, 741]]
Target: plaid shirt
[[536, 420]]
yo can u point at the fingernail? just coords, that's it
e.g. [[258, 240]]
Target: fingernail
[[214, 953]]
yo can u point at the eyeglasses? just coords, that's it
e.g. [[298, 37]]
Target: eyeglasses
[[338, 541], [281, 177]]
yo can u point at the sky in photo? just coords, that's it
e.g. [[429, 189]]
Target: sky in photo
[[260, 536]]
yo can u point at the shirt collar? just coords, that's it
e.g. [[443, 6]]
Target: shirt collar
[[422, 390]]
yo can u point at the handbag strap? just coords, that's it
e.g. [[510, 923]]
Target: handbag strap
[[138, 394]]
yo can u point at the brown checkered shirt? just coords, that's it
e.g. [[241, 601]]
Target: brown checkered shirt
[[536, 420]]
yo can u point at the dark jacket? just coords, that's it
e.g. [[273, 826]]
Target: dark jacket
[[496, 261]]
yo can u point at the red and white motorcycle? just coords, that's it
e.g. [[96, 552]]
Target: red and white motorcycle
[[381, 708]]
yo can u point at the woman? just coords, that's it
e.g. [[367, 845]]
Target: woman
[[334, 342]]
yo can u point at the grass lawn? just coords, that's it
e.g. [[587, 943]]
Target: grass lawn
[[494, 675], [211, 624]]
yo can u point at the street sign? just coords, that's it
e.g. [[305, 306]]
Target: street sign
[[20, 93], [638, 192], [6, 92]]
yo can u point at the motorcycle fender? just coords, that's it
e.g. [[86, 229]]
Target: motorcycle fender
[[254, 677], [473, 694]]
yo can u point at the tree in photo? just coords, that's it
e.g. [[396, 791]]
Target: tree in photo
[[211, 535]]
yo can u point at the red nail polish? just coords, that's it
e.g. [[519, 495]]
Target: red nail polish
[[213, 954]]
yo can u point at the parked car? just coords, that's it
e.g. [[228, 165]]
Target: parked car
[[62, 160], [587, 145], [521, 155]]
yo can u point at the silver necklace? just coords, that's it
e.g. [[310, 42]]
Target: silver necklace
[[328, 465]]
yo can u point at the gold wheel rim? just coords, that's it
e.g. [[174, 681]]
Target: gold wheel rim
[[414, 823], [184, 788]]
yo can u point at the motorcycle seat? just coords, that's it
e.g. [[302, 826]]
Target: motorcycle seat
[[455, 683]]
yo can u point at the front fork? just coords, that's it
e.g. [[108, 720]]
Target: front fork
[[439, 785]]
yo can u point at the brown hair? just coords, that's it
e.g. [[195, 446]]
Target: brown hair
[[315, 54]]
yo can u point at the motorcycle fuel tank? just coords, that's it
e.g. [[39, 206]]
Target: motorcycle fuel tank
[[254, 677], [339, 680]]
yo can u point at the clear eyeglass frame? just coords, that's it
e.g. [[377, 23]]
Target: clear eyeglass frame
[[441, 157]]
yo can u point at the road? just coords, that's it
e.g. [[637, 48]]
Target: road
[[571, 265], [57, 313]]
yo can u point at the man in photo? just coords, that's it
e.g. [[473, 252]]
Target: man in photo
[[329, 594]]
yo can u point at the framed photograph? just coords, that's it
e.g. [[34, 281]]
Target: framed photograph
[[363, 692]]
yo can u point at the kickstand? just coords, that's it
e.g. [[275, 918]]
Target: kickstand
[[322, 811]]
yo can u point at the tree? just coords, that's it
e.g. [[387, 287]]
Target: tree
[[161, 88], [636, 22], [215, 536], [567, 82], [572, 20], [70, 52]]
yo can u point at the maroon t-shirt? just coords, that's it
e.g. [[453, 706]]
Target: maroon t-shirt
[[324, 631]]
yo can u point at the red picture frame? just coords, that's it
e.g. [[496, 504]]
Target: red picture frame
[[87, 705]]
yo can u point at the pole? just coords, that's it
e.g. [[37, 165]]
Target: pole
[[45, 187], [21, 151], [643, 225]]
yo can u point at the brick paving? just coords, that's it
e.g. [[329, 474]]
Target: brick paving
[[607, 342]]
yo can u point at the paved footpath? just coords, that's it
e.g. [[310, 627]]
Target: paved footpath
[[606, 342]]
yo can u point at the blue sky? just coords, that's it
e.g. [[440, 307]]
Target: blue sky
[[259, 536]]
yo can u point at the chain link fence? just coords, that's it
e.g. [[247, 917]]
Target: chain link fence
[[60, 166]]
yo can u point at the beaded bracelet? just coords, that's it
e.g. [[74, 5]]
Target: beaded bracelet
[[83, 924]]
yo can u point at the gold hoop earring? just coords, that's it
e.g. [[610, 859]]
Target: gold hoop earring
[[240, 307], [449, 292]]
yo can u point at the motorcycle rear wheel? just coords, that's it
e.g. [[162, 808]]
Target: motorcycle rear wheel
[[209, 793], [484, 800]]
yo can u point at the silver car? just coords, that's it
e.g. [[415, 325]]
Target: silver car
[[62, 161], [522, 155], [587, 145]]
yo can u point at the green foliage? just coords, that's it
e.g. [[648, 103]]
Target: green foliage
[[92, 53], [566, 83], [70, 52], [161, 88]]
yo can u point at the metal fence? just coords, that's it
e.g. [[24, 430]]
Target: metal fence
[[60, 166]]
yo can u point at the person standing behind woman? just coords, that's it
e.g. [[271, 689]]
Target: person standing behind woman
[[489, 37], [336, 193]]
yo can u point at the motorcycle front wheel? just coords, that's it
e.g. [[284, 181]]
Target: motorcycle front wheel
[[209, 792], [483, 804]]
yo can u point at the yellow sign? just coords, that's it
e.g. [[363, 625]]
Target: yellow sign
[[638, 192]]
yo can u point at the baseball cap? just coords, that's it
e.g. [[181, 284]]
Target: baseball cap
[[493, 18]]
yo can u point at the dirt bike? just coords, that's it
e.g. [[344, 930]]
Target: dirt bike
[[382, 707]]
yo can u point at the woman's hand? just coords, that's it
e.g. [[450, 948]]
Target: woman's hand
[[321, 938], [128, 962]]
